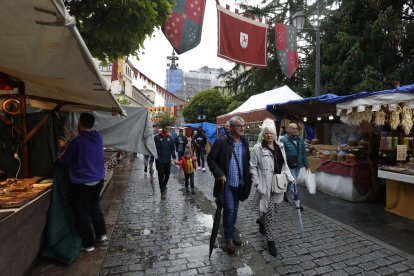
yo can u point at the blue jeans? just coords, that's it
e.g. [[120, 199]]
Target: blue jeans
[[231, 205], [180, 155]]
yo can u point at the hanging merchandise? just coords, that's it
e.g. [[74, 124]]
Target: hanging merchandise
[[395, 118], [406, 119], [380, 118]]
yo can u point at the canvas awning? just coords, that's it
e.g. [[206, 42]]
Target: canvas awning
[[42, 47], [254, 109], [320, 105]]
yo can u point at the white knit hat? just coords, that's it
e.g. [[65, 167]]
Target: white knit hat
[[268, 124]]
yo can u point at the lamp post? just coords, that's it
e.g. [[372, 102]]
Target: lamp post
[[298, 21]]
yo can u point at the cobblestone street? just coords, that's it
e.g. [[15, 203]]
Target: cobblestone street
[[171, 237]]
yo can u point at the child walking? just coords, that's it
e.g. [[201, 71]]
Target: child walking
[[188, 161]]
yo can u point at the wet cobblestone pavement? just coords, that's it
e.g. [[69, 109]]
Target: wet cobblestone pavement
[[171, 237]]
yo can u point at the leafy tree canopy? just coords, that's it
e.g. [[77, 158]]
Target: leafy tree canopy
[[165, 118], [116, 28], [365, 46], [210, 103]]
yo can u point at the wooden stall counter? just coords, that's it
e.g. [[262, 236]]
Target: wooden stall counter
[[400, 191]]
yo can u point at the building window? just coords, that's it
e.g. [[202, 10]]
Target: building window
[[105, 68]]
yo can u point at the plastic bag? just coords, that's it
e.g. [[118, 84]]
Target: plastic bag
[[301, 176], [310, 182]]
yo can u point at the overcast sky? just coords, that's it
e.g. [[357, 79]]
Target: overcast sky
[[153, 62]]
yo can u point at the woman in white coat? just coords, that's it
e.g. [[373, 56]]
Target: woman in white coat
[[267, 158]]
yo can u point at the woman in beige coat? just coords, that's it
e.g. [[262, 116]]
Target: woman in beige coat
[[267, 158]]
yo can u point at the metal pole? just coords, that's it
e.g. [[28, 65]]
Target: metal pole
[[318, 55]]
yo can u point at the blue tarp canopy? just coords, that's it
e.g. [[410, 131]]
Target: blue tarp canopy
[[320, 105], [209, 128]]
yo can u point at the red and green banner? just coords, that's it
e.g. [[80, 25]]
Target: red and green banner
[[183, 27], [287, 53]]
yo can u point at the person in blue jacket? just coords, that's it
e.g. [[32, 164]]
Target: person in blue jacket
[[165, 149], [295, 151], [84, 157]]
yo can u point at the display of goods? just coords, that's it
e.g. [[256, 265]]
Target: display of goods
[[326, 154], [315, 141], [350, 158], [15, 202], [333, 156], [406, 119], [380, 118], [395, 118]]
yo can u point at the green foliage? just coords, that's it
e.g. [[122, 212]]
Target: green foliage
[[123, 100], [233, 105], [117, 28], [365, 46], [166, 118], [211, 101]]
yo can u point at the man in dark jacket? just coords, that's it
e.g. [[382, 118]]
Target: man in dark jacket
[[295, 152], [180, 143], [84, 156], [228, 160], [165, 149], [200, 141]]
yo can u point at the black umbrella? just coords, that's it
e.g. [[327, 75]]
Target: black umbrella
[[217, 219]]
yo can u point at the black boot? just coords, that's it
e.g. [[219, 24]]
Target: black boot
[[262, 228], [272, 248], [145, 168]]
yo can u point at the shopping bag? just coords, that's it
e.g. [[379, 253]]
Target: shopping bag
[[310, 182], [301, 176]]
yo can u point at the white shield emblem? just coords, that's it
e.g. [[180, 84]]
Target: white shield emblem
[[244, 40]]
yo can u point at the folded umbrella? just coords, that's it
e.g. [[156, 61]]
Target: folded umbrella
[[217, 219], [294, 191]]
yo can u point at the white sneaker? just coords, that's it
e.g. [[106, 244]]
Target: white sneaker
[[198, 168], [102, 238], [204, 169], [87, 249]]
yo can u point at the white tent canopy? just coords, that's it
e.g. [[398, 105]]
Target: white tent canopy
[[42, 47], [259, 101]]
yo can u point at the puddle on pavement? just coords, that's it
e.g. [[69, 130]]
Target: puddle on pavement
[[205, 220], [246, 270]]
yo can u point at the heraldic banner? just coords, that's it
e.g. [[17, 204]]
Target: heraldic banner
[[287, 53], [241, 39], [183, 27]]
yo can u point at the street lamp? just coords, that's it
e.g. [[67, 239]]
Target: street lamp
[[298, 21]]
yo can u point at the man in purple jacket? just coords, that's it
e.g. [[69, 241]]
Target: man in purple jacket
[[84, 157]]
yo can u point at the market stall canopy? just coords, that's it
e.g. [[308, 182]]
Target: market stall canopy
[[209, 128], [42, 47], [254, 109], [133, 133], [392, 96], [320, 105]]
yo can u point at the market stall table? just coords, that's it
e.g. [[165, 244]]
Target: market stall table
[[349, 181], [400, 190]]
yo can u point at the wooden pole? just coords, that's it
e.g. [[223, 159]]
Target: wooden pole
[[24, 146]]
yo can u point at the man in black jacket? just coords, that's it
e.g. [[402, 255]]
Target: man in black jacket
[[180, 144], [165, 149], [228, 160], [200, 141]]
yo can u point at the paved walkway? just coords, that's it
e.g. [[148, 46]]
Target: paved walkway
[[170, 237]]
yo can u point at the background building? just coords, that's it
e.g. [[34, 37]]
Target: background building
[[185, 84]]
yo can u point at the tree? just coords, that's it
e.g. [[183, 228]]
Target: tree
[[165, 118], [115, 28], [233, 105], [210, 103], [367, 46]]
